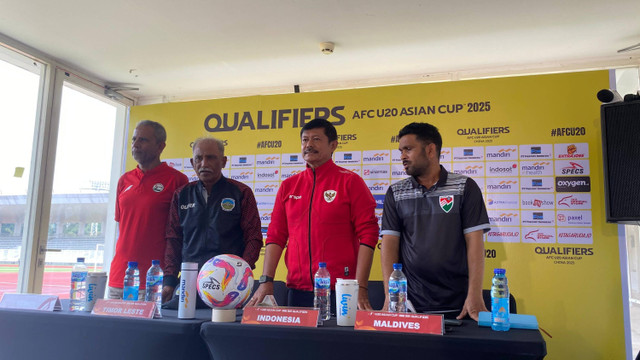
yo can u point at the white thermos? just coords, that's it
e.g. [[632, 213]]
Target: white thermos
[[188, 295]]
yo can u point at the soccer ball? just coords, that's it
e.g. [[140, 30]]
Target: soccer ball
[[225, 282]]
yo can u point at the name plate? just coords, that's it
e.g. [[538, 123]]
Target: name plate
[[399, 322], [31, 302], [284, 316], [134, 309]]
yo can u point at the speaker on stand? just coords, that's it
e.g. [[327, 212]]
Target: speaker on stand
[[620, 122]]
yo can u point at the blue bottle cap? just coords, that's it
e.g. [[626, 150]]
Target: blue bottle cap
[[322, 264], [133, 264], [498, 271], [155, 262], [80, 260], [397, 266]]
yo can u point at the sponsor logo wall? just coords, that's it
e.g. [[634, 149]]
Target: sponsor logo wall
[[509, 196], [537, 161]]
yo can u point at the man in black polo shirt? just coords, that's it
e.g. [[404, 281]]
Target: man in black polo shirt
[[433, 223]]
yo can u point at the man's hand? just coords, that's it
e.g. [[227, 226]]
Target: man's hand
[[474, 303], [363, 299], [262, 291], [167, 293], [389, 255], [472, 307], [385, 307]]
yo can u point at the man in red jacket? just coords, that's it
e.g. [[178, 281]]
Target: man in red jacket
[[324, 214]]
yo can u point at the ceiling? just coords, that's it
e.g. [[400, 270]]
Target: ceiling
[[176, 50]]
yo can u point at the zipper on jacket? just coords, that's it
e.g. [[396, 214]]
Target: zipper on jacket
[[310, 203]]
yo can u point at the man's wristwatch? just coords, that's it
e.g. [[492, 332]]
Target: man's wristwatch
[[265, 279]]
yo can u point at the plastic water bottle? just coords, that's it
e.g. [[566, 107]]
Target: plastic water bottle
[[78, 294], [499, 301], [322, 291], [154, 286], [131, 282], [397, 290]]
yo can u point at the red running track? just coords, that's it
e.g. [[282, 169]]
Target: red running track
[[54, 283]]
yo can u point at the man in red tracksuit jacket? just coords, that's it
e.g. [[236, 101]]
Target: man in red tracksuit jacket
[[324, 214]]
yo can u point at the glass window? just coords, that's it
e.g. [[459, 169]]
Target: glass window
[[7, 229], [19, 86], [53, 228], [81, 182], [93, 229]]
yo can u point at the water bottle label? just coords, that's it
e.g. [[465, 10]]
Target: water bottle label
[[394, 286], [323, 283], [130, 293], [500, 309], [78, 276], [154, 281], [402, 286]]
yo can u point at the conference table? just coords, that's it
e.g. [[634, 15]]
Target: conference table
[[31, 334], [233, 341]]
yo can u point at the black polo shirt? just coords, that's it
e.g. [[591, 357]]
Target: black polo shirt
[[431, 224]]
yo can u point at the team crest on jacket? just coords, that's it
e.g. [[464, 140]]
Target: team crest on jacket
[[227, 204], [329, 195], [158, 187], [446, 203]]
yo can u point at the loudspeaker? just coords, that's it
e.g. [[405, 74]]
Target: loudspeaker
[[621, 156]]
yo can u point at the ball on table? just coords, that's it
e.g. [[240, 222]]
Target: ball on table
[[225, 282]]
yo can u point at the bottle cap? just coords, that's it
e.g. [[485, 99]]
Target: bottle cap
[[133, 264], [155, 262], [498, 271], [397, 266], [189, 266], [322, 264], [80, 259]]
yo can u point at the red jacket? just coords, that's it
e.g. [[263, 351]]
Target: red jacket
[[322, 215]]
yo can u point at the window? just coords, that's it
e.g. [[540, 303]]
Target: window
[[39, 108], [19, 86], [93, 229], [7, 229]]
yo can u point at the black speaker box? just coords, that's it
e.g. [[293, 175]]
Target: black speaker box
[[621, 156]]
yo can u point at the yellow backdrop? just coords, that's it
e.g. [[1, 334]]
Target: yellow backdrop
[[532, 143]]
